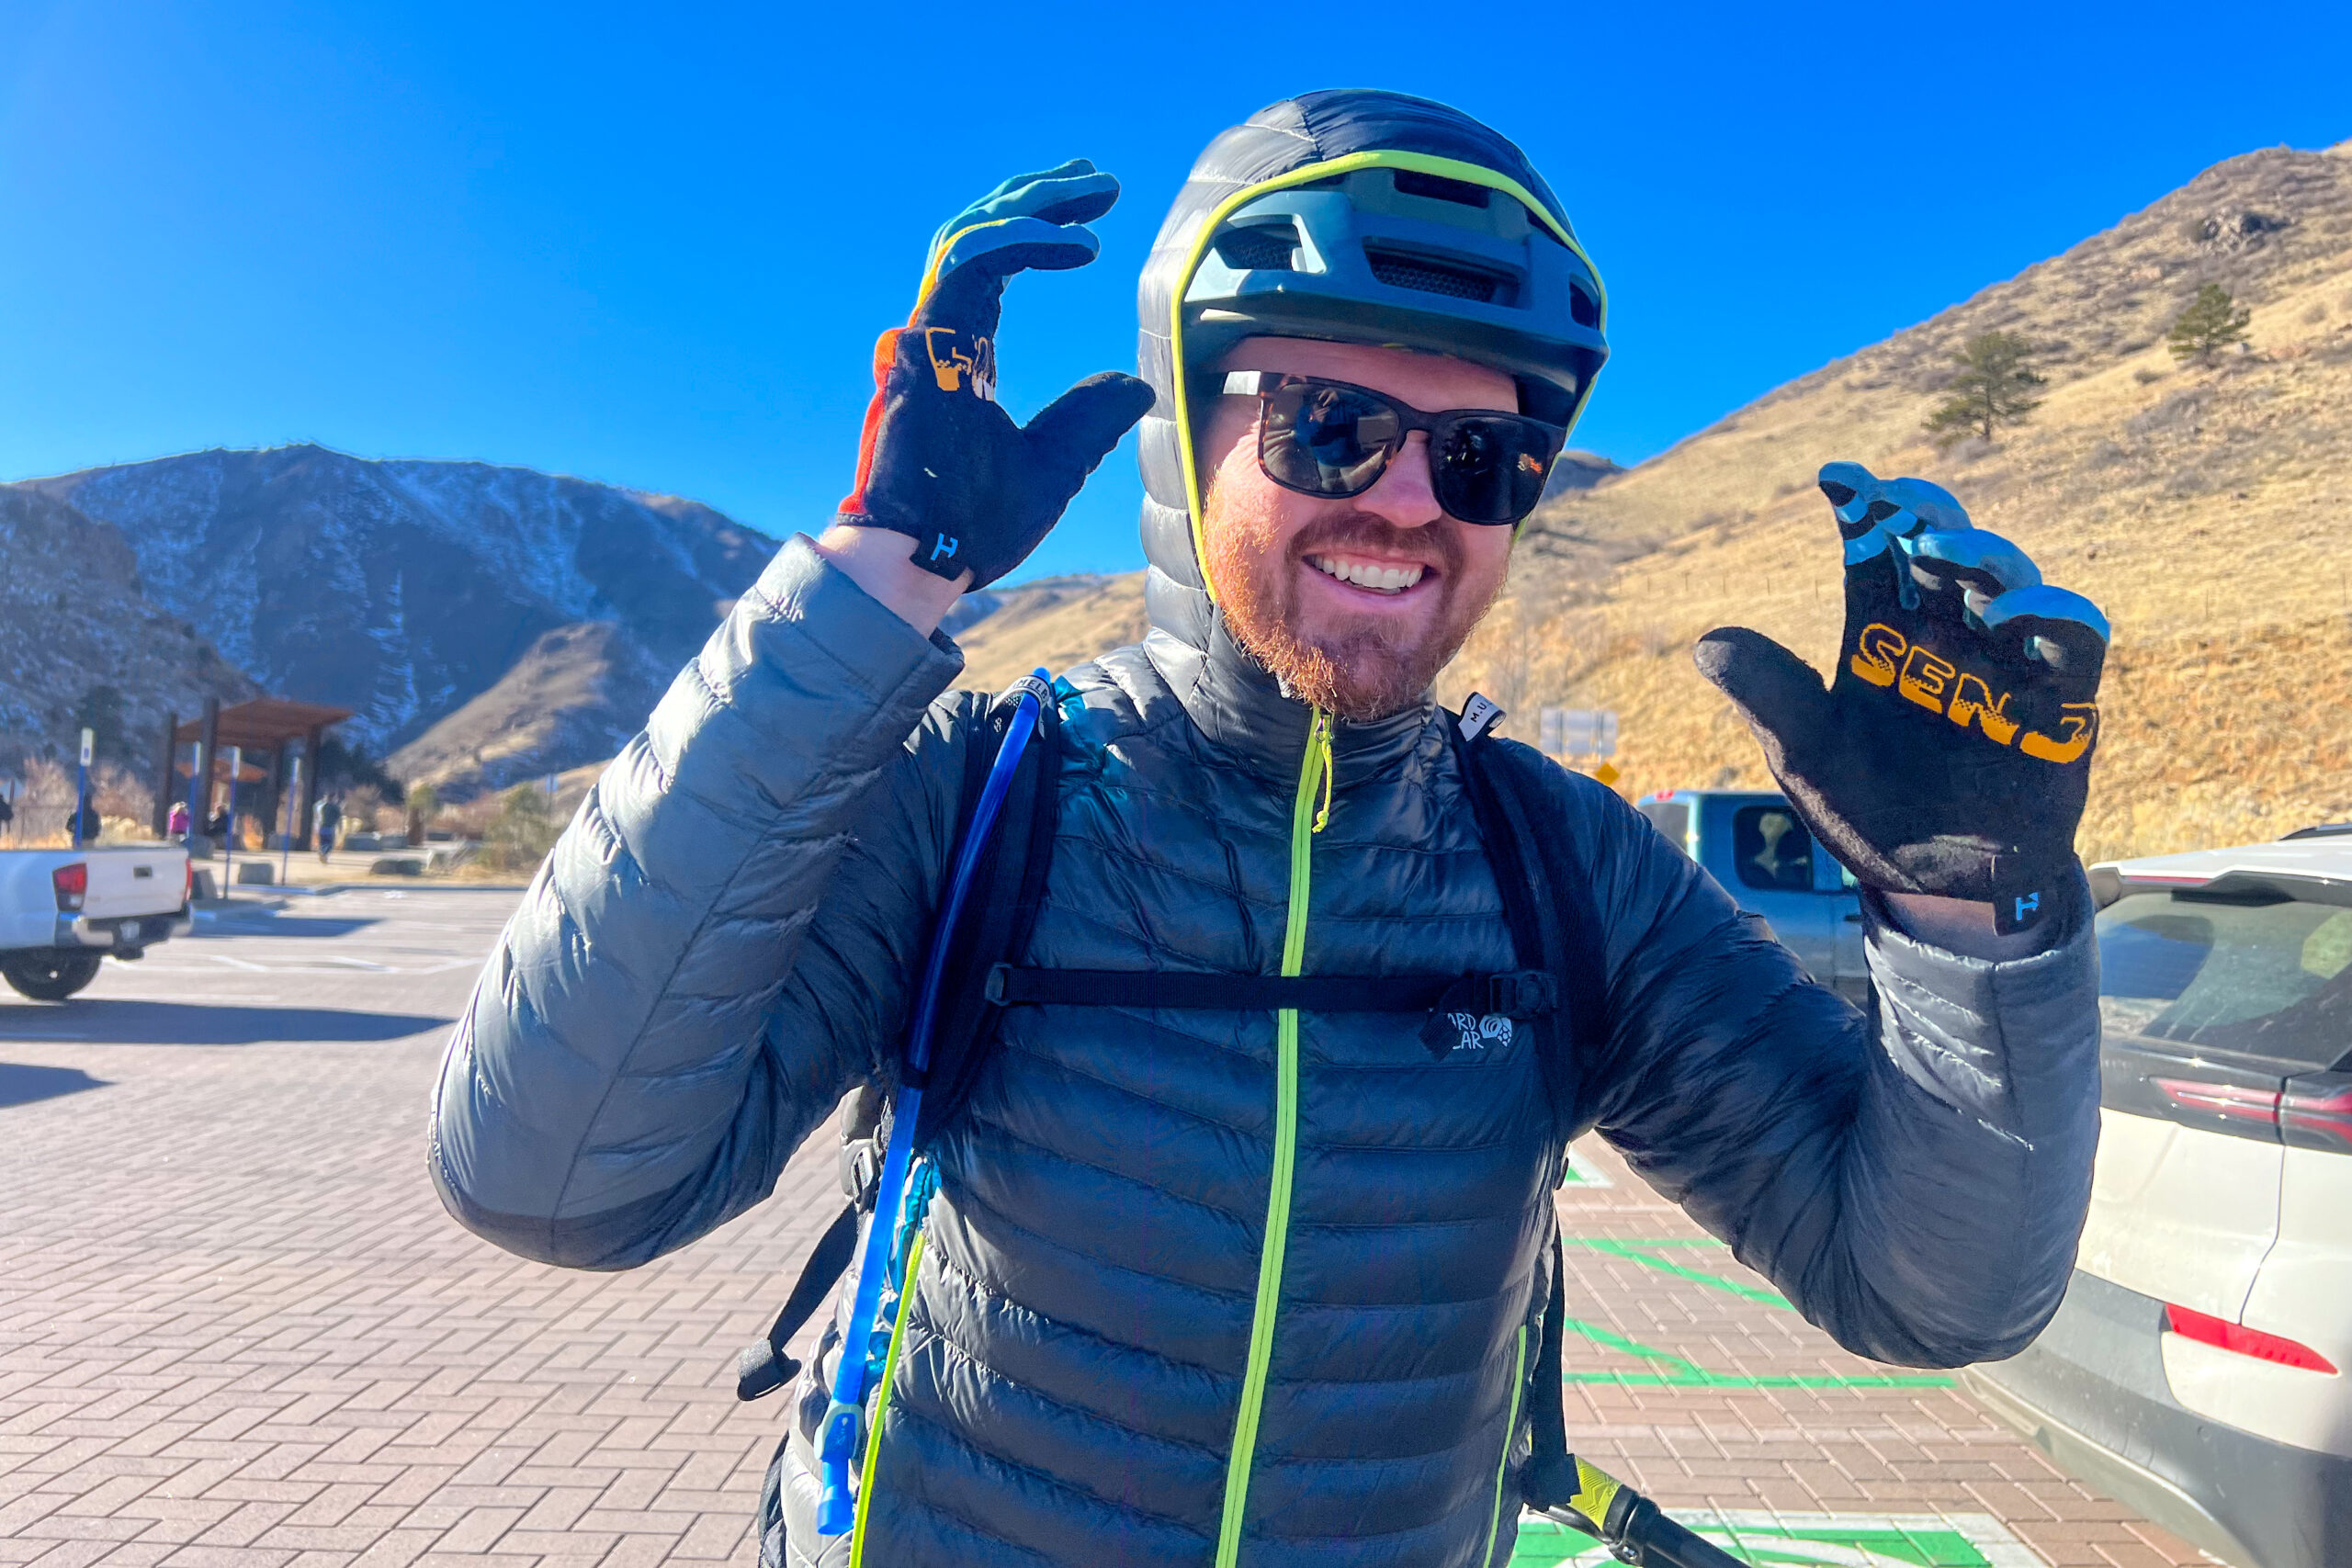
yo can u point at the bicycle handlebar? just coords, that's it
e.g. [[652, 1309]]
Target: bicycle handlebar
[[1635, 1529]]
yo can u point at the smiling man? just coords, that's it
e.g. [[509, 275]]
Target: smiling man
[[1261, 1273]]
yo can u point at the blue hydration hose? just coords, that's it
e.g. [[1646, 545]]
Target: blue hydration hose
[[838, 1438]]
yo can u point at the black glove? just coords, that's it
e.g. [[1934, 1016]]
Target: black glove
[[1952, 754], [940, 459]]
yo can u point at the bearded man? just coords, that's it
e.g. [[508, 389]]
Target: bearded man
[[1259, 1284]]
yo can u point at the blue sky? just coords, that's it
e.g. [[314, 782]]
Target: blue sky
[[654, 249]]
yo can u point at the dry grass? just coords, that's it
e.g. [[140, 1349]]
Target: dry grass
[[2202, 508]]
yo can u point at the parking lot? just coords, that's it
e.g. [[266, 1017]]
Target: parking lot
[[236, 1327]]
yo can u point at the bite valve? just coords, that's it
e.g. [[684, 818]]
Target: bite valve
[[836, 1446]]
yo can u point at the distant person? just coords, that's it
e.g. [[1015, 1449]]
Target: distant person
[[176, 824], [86, 824], [326, 818]]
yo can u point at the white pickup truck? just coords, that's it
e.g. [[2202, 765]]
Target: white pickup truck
[[62, 911]]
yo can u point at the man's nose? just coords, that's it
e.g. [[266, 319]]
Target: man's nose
[[1404, 494]]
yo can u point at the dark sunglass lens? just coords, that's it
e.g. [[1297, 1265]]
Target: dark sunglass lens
[[1490, 470], [1326, 439]]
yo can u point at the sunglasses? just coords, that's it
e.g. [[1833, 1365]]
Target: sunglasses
[[1335, 440]]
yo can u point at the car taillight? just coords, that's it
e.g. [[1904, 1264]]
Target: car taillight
[[2317, 1114], [2244, 1341], [72, 883], [2225, 1099]]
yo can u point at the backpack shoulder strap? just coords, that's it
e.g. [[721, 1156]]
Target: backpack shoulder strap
[[1546, 895], [1001, 911], [995, 926], [1547, 899]]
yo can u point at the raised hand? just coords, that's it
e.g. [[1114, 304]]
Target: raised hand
[[1950, 753], [940, 459]]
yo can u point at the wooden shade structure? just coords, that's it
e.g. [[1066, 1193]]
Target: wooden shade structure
[[264, 724]]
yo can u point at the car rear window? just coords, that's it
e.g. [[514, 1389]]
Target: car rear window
[[2270, 979], [1770, 848]]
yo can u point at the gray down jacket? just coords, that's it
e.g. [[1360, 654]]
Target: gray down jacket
[[1217, 1288]]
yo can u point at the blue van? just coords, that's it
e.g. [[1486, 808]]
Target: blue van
[[1754, 844]]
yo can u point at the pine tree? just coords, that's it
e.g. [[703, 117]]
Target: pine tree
[[2211, 322], [1995, 386]]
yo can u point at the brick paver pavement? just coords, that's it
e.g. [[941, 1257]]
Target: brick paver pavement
[[236, 1327]]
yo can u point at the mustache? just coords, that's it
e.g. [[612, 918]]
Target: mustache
[[1433, 544]]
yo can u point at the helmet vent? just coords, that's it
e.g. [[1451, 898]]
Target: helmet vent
[[1583, 306], [1258, 248], [1401, 271], [1462, 193]]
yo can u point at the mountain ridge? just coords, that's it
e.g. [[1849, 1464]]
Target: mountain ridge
[[450, 572]]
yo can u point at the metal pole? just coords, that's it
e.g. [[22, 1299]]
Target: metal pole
[[82, 789], [293, 804]]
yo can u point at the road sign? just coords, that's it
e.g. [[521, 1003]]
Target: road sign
[[1578, 732], [1606, 773], [88, 736]]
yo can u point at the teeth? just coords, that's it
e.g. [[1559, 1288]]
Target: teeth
[[1368, 574]]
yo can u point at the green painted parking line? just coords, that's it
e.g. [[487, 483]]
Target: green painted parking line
[[1845, 1540], [1679, 1372], [1640, 1252]]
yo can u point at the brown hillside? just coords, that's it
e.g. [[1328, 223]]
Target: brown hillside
[[2203, 508], [578, 691], [1057, 621], [78, 633]]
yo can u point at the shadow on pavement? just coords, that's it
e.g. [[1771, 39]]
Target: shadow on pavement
[[115, 1022], [21, 1085], [267, 924]]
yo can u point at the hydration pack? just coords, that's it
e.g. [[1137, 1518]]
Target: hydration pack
[[1558, 992]]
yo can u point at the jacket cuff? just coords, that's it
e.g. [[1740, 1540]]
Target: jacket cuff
[[1981, 1033], [870, 642]]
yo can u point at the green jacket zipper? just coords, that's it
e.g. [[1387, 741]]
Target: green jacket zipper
[[1511, 1435], [1306, 821], [882, 1404]]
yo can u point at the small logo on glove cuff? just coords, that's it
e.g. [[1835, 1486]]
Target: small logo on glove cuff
[[1884, 657], [957, 359]]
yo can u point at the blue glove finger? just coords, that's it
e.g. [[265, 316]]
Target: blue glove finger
[[1002, 246], [1986, 563], [1920, 504], [2061, 628], [1074, 193], [1851, 489]]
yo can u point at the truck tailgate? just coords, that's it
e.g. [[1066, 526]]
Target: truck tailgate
[[135, 879]]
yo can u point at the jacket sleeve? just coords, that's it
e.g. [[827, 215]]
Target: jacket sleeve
[[1914, 1180], [718, 946]]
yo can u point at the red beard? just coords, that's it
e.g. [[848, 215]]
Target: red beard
[[1357, 668]]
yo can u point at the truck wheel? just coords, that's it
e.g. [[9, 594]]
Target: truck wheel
[[50, 977]]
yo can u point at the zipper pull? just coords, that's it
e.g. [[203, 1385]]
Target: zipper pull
[[1321, 737]]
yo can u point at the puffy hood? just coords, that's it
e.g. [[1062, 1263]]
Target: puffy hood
[[1285, 144]]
